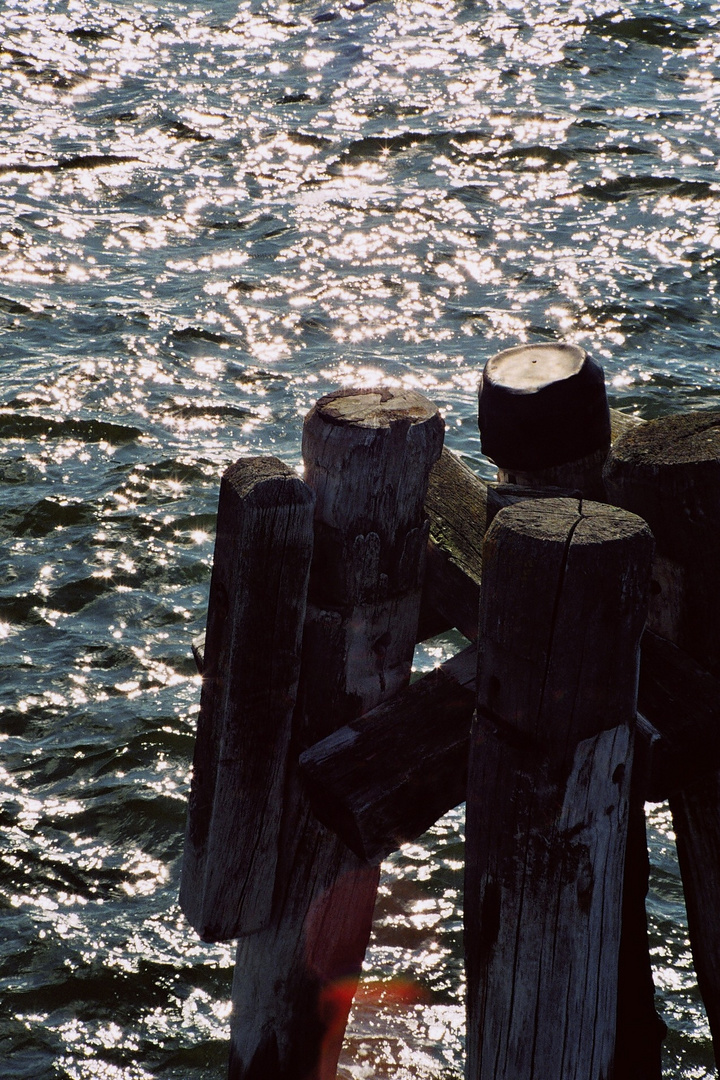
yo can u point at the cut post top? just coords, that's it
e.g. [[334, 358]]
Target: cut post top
[[668, 471], [541, 406], [375, 407], [526, 368], [368, 455], [266, 482], [568, 520]]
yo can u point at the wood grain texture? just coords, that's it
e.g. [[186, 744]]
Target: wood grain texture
[[669, 471], [548, 788], [387, 777], [456, 504], [252, 649], [461, 506], [367, 455]]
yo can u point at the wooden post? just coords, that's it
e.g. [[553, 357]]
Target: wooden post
[[368, 454], [353, 779], [548, 788], [669, 471], [251, 666], [544, 417]]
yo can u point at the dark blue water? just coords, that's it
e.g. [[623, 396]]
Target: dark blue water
[[209, 216]]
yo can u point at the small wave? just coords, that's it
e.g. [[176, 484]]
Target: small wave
[[29, 426], [630, 187], [45, 516], [212, 410], [87, 33], [103, 986], [550, 157], [77, 161], [19, 472], [78, 594], [372, 146], [294, 99], [472, 193], [231, 225], [14, 307], [172, 469], [181, 130], [199, 333], [154, 821], [661, 31], [20, 609], [306, 138], [244, 287]]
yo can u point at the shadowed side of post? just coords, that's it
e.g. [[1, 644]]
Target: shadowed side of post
[[256, 612], [669, 471], [548, 789]]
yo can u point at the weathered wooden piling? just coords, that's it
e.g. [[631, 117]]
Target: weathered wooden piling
[[256, 611], [544, 418], [548, 787], [367, 455], [370, 802], [383, 760], [669, 471], [372, 805], [680, 696]]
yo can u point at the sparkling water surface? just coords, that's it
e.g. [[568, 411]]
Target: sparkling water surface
[[210, 214]]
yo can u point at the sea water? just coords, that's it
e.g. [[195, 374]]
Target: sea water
[[211, 214]]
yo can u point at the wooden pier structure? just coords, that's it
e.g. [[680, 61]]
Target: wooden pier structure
[[586, 582]]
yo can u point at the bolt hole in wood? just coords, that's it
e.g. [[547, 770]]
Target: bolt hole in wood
[[550, 780]]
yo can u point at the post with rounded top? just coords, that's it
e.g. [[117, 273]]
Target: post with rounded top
[[669, 471], [367, 457], [547, 805], [544, 417]]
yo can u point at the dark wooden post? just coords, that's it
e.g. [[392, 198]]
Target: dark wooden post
[[669, 471], [544, 417], [551, 752], [367, 455], [353, 779], [251, 666]]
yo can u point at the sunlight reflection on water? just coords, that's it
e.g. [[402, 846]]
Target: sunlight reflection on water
[[208, 219]]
